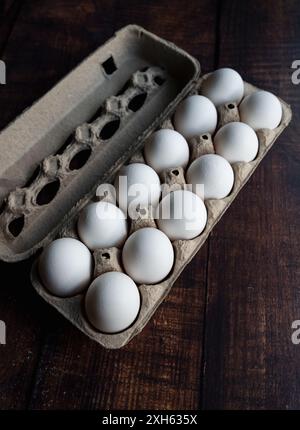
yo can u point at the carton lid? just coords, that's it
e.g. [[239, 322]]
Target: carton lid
[[55, 154]]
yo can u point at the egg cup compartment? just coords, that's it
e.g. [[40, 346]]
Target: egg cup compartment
[[227, 113]]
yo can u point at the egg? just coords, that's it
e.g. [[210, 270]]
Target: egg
[[102, 225], [182, 215], [195, 115], [137, 185], [148, 256], [212, 172], [65, 267], [112, 302], [223, 86], [166, 149], [236, 141], [261, 109]]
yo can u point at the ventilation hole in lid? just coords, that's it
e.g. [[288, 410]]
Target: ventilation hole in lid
[[47, 193], [175, 172], [109, 66], [230, 106], [67, 142], [106, 256], [137, 102], [205, 137], [159, 80], [109, 129], [80, 159], [16, 226], [33, 176]]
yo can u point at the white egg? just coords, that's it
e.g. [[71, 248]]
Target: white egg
[[137, 184], [212, 172], [102, 225], [112, 302], [148, 256], [166, 149], [261, 109], [182, 215], [236, 141], [223, 86], [195, 115], [65, 267]]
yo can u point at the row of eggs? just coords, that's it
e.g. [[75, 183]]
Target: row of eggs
[[112, 301]]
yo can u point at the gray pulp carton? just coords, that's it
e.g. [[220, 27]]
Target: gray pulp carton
[[114, 100]]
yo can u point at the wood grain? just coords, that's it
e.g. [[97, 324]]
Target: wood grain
[[19, 306], [253, 276], [9, 11]]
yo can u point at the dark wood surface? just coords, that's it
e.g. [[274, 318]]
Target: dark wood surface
[[222, 339]]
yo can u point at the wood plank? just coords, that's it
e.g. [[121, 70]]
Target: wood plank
[[18, 303], [161, 368], [20, 310], [254, 265], [9, 11]]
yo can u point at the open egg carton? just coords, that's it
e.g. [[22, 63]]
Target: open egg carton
[[120, 95]]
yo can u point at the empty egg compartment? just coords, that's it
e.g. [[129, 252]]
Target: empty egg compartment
[[135, 79]]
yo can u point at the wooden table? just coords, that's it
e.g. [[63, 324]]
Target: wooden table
[[222, 339]]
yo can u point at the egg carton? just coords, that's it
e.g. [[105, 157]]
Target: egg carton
[[166, 74]]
